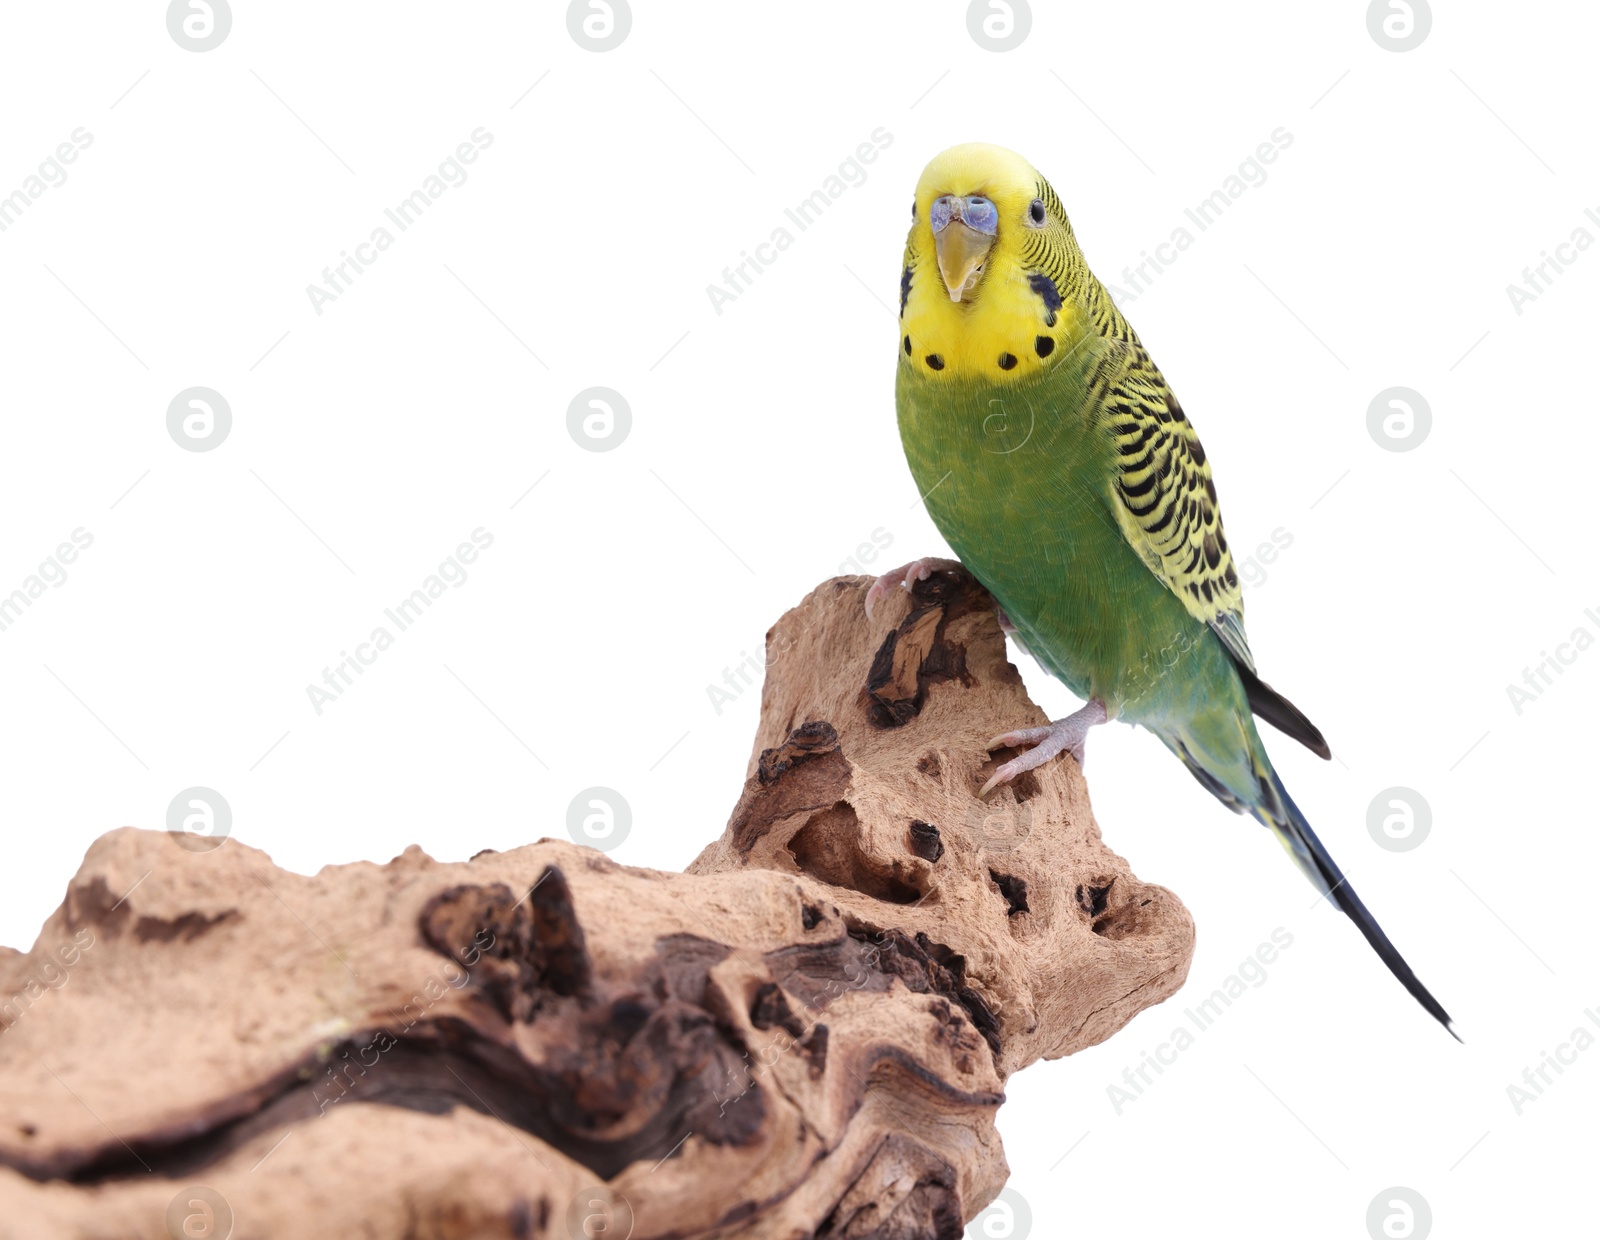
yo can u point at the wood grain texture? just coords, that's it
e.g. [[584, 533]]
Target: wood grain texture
[[806, 1034]]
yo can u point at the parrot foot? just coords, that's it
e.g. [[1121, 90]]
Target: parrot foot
[[906, 576], [1063, 735]]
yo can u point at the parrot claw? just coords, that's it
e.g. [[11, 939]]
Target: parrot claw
[[1063, 736], [906, 576], [1023, 736]]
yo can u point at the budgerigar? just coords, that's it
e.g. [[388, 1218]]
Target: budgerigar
[[1062, 471]]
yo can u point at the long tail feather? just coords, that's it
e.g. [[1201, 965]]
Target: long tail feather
[[1269, 802], [1292, 829]]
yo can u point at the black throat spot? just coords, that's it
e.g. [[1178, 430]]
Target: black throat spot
[[1045, 287]]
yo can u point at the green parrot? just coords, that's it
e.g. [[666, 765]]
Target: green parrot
[[1062, 471]]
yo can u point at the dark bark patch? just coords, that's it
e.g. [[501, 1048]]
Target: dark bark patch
[[925, 841], [807, 772], [562, 952], [870, 960], [93, 904], [518, 949], [955, 1033], [187, 927], [928, 967], [1107, 919], [815, 1049], [682, 967], [1092, 898], [770, 1009], [828, 847], [918, 653], [807, 741], [1015, 891]]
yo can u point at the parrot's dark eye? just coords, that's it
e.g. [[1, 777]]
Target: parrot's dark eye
[[1036, 211], [913, 208]]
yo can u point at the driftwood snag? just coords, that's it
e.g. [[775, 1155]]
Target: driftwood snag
[[807, 1034]]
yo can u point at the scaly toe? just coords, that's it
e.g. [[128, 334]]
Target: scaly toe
[[1063, 736], [905, 576], [1022, 736], [1030, 761]]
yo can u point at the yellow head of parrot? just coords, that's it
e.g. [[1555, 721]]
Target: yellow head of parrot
[[992, 279], [966, 198]]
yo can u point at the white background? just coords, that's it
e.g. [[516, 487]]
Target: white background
[[369, 440]]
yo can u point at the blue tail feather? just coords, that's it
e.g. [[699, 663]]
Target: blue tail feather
[[1290, 825], [1256, 789]]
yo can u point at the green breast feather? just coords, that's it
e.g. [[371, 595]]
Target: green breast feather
[[1017, 479], [1083, 500]]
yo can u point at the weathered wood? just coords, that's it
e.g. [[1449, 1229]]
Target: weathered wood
[[807, 1033]]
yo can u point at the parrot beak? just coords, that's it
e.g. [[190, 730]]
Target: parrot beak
[[961, 251]]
